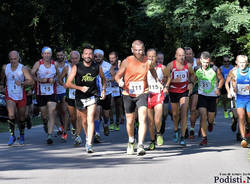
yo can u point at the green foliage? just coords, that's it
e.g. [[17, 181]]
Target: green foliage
[[218, 26]]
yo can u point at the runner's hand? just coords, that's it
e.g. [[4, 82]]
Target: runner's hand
[[121, 83], [103, 95], [84, 89]]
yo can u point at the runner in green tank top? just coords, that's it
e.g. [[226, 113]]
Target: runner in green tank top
[[210, 81]]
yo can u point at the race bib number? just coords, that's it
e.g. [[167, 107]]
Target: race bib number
[[136, 88], [180, 74], [205, 84], [241, 89], [154, 88], [15, 91], [116, 91], [88, 101], [46, 89], [72, 93]]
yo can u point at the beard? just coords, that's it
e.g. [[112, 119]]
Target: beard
[[87, 60]]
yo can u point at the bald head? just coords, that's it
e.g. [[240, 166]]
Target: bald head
[[14, 58], [14, 53], [180, 55]]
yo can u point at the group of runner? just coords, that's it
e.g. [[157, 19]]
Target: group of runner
[[84, 91]]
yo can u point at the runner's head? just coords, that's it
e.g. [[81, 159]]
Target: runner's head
[[205, 59], [160, 58], [87, 54], [46, 53], [180, 55], [14, 57], [138, 49], [74, 57], [242, 62], [98, 55], [189, 54], [113, 57], [226, 61], [151, 55], [60, 55]]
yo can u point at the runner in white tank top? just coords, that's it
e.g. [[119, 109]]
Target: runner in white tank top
[[155, 101], [44, 73], [17, 76]]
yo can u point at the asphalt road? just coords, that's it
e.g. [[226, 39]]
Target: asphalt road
[[37, 163]]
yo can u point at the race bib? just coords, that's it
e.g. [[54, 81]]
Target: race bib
[[154, 88], [241, 89], [72, 93], [46, 89], [88, 101], [15, 91], [108, 84], [116, 91], [181, 74], [136, 88], [205, 84]]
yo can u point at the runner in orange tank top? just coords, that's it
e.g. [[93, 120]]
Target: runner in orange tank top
[[132, 77]]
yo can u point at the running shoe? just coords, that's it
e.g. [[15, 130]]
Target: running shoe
[[151, 146], [112, 127], [49, 139], [244, 143], [117, 127], [89, 148], [130, 148], [159, 139], [231, 114], [210, 127], [191, 134], [106, 130], [140, 150], [21, 140], [97, 138], [12, 139], [64, 137], [182, 141], [73, 132], [176, 136], [203, 142], [234, 125], [77, 141], [226, 114]]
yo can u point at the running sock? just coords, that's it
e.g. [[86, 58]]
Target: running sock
[[11, 126], [97, 126], [22, 127], [131, 139]]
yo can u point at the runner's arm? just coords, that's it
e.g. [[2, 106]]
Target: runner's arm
[[221, 81], [70, 79], [228, 79], [102, 78], [61, 77], [121, 71], [28, 77]]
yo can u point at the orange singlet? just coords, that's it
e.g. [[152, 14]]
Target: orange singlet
[[135, 77]]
